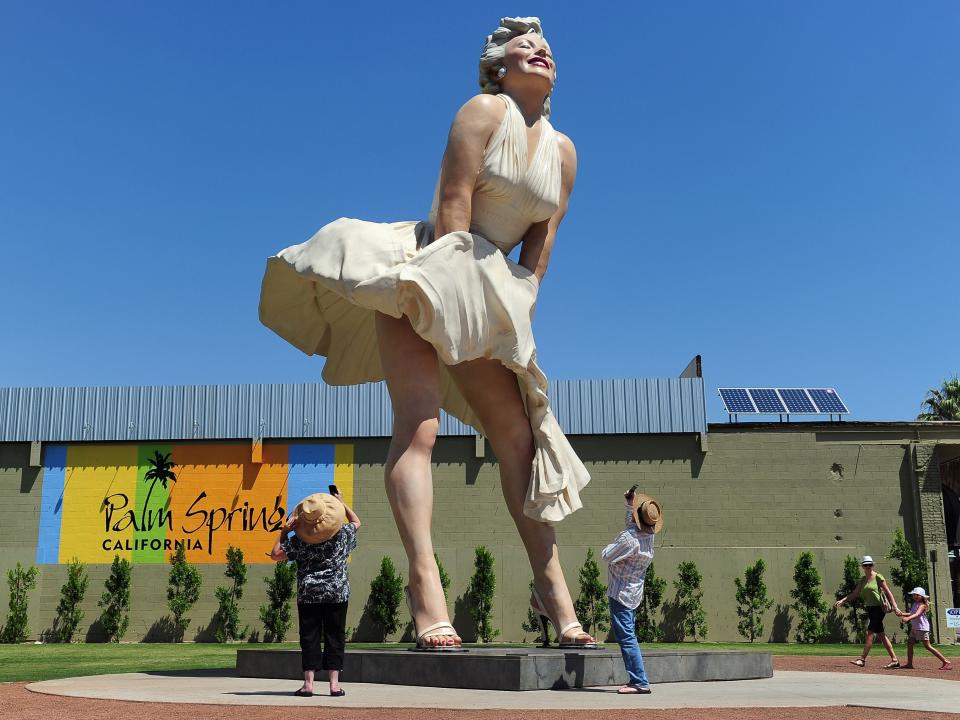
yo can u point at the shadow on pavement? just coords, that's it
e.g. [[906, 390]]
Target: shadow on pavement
[[267, 692], [215, 672]]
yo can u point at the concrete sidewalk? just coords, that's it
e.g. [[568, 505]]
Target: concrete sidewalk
[[785, 689]]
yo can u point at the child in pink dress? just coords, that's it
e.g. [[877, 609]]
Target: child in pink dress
[[920, 628]]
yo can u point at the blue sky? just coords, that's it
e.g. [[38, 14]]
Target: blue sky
[[773, 185]]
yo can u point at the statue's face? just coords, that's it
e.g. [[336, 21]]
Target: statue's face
[[528, 57]]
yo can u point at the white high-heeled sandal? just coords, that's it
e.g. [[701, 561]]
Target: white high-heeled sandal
[[431, 631], [569, 644]]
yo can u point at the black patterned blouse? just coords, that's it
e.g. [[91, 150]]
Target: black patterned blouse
[[322, 567]]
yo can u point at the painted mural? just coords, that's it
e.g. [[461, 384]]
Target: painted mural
[[102, 500]]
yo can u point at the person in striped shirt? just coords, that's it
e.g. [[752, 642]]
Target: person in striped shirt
[[628, 558]]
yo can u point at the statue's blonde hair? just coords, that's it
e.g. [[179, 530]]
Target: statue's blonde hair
[[491, 57]]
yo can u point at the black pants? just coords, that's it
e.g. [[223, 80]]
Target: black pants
[[326, 620]]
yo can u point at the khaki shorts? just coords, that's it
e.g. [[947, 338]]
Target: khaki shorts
[[919, 635]]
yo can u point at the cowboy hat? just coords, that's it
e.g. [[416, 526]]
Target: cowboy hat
[[319, 517], [647, 513]]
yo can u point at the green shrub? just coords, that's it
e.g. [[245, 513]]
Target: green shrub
[[591, 604], [275, 614], [808, 600], [752, 600], [69, 613], [21, 581], [115, 600], [386, 594], [532, 624], [480, 594], [228, 614], [654, 588], [690, 601], [183, 590], [444, 578], [912, 570], [855, 613]]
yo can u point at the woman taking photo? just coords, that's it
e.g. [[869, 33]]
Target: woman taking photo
[[325, 530], [436, 308], [870, 587]]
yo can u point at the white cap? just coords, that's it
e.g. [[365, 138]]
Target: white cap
[[919, 591], [867, 560]]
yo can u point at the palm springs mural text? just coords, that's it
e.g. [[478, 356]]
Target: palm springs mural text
[[139, 501]]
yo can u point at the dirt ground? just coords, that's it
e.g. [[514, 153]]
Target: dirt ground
[[924, 665], [18, 702]]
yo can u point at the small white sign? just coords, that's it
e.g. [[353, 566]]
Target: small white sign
[[953, 617]]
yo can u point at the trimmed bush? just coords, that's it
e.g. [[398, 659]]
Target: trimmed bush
[[21, 581], [115, 600], [386, 594], [808, 600], [69, 613], [690, 601], [591, 604], [532, 623], [228, 614], [855, 612], [480, 594], [183, 590], [752, 600], [654, 588], [275, 614], [444, 578], [912, 569]]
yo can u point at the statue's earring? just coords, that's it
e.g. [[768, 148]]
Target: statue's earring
[[501, 72]]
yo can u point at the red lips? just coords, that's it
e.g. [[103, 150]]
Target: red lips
[[542, 62]]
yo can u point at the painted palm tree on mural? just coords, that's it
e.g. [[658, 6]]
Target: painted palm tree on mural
[[942, 403], [161, 469]]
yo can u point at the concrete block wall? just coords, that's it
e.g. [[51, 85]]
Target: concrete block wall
[[758, 493], [933, 534]]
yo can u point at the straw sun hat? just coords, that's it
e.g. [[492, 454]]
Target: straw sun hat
[[319, 517], [647, 513]]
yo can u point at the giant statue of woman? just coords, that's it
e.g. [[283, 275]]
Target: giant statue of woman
[[436, 308]]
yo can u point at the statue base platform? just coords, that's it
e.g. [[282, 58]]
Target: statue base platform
[[492, 668]]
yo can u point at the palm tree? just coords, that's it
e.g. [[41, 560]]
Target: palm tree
[[161, 469], [943, 403]]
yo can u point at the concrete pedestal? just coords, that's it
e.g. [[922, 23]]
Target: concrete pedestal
[[514, 668]]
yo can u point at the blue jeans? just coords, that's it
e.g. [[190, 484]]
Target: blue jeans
[[624, 630]]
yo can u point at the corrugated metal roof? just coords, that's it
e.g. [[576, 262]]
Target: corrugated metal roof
[[317, 410]]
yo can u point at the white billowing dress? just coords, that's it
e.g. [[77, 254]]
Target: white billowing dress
[[461, 293]]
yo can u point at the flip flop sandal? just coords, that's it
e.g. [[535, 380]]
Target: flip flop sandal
[[339, 693], [892, 665], [948, 666], [858, 662], [303, 693], [634, 690]]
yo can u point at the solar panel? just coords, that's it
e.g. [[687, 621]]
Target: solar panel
[[797, 400], [828, 401], [767, 400], [736, 400]]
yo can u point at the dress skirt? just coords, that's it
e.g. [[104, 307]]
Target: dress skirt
[[460, 293]]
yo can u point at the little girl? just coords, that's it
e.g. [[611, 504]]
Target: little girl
[[920, 630]]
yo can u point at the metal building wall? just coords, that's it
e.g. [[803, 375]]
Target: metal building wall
[[317, 410]]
